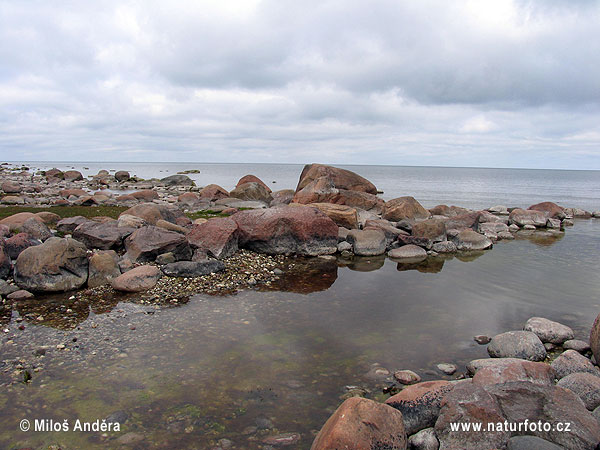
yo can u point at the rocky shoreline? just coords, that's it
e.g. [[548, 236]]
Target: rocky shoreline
[[171, 239]]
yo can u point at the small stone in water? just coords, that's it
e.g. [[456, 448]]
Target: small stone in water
[[482, 339], [448, 369], [406, 377]]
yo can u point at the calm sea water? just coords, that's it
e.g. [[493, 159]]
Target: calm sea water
[[467, 187]]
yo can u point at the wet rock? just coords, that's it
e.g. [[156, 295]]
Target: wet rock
[[432, 229], [11, 187], [21, 294], [340, 178], [549, 331], [192, 268], [218, 237], [523, 217], [530, 443], [482, 339], [282, 440], [444, 247], [252, 179], [408, 252], [517, 344], [515, 370], [344, 247], [130, 438], [420, 403], [377, 372], [103, 236], [57, 265], [570, 362], [252, 191], [122, 175], [146, 243], [467, 240], [577, 345], [585, 385], [470, 403], [287, 230], [424, 440], [369, 242], [138, 279], [553, 224], [404, 208], [406, 377], [595, 338], [103, 268], [119, 417], [360, 423], [343, 216], [467, 221], [447, 368], [213, 192]]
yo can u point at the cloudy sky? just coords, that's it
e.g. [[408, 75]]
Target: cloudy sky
[[493, 83]]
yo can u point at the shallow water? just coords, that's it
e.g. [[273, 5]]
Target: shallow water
[[281, 357]]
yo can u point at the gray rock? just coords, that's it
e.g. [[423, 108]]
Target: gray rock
[[477, 364], [467, 240], [408, 252], [6, 288], [37, 229], [572, 361], [69, 224], [252, 191], [585, 385], [517, 344], [138, 279], [103, 236], [406, 377], [596, 414], [344, 246], [192, 268], [122, 175], [531, 443], [177, 180], [501, 210], [367, 242], [447, 368], [165, 258], [103, 268], [492, 227], [577, 345], [549, 331], [444, 247], [146, 243], [424, 440]]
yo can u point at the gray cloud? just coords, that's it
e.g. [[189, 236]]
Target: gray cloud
[[455, 83]]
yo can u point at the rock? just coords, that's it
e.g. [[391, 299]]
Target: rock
[[54, 174], [160, 223], [146, 243], [506, 235], [408, 252], [66, 193], [218, 236], [343, 216], [448, 211], [152, 212], [468, 403], [340, 178], [213, 192], [252, 179], [408, 240], [577, 345], [468, 240], [515, 370], [549, 331], [252, 191], [282, 440], [11, 187], [523, 217], [360, 423], [446, 368], [531, 443], [420, 403], [103, 267], [129, 221], [499, 210], [6, 288], [282, 197], [72, 175], [482, 339], [166, 258], [138, 279], [20, 294], [5, 264], [404, 208], [522, 401], [369, 242], [177, 180], [517, 344], [145, 195], [444, 247], [595, 338], [122, 175], [477, 364], [15, 221], [596, 414], [190, 269], [48, 218], [12, 200], [424, 440], [69, 224], [287, 230], [551, 210], [585, 385], [14, 245], [492, 227], [35, 228], [57, 265], [406, 377], [432, 229], [553, 224], [390, 231], [103, 236], [188, 198], [570, 362], [323, 190]]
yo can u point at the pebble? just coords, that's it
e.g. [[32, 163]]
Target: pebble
[[482, 339], [447, 368]]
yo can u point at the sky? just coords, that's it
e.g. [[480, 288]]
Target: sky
[[483, 83]]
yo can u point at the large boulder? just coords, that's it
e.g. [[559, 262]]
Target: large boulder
[[146, 243], [14, 245], [323, 190], [152, 212], [73, 175], [282, 197], [103, 268], [103, 236], [145, 195], [68, 224], [522, 217], [11, 187], [287, 230], [368, 242], [213, 192], [15, 221], [252, 179], [36, 229], [218, 236], [138, 279], [343, 216], [595, 338], [191, 269], [467, 240], [465, 221], [57, 265], [178, 180], [404, 208], [432, 229], [585, 385], [252, 191], [341, 178], [420, 403], [122, 175], [517, 344], [570, 362], [552, 210], [390, 231], [548, 330], [510, 369], [362, 424]]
